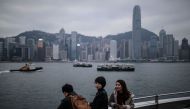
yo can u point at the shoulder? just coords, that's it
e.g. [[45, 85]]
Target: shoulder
[[65, 100], [102, 92]]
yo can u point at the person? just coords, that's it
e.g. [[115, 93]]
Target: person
[[121, 98], [101, 99], [26, 67], [67, 90]]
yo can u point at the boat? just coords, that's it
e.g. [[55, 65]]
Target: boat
[[82, 65], [27, 70], [116, 67]]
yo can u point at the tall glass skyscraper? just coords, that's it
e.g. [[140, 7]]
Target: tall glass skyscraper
[[73, 45], [136, 33], [113, 50]]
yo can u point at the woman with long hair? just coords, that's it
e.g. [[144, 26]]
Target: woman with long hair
[[121, 98]]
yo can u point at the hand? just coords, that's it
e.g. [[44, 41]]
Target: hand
[[115, 105], [124, 107]]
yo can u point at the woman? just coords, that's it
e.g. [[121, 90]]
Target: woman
[[121, 98]]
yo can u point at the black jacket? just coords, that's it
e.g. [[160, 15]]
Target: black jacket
[[100, 101], [66, 102]]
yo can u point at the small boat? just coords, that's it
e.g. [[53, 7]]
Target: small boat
[[116, 67], [28, 70], [82, 65]]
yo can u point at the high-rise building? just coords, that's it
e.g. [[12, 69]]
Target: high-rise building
[[22, 40], [169, 45], [184, 51], [123, 49], [73, 45], [145, 50], [1, 48], [176, 49], [113, 50], [41, 50], [162, 42], [55, 51], [31, 49], [9, 43], [136, 33], [130, 49], [152, 54], [62, 44]]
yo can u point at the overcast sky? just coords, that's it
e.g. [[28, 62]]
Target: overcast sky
[[93, 17]]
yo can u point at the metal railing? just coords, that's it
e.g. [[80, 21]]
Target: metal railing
[[157, 96]]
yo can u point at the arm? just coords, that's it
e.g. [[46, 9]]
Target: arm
[[111, 100], [129, 104]]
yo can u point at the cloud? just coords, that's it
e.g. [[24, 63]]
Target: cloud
[[94, 18]]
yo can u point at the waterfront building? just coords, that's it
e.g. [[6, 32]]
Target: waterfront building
[[55, 51], [40, 50], [31, 48], [113, 50], [99, 56], [68, 48], [152, 52], [169, 46], [9, 42], [62, 45], [73, 45], [136, 33], [22, 40], [124, 49], [48, 52], [145, 50], [1, 49], [162, 43], [184, 51], [176, 49]]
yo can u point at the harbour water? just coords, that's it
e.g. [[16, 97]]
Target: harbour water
[[42, 89]]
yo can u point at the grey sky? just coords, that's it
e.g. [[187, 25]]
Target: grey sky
[[93, 17]]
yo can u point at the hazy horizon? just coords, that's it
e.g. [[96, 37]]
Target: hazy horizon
[[93, 18]]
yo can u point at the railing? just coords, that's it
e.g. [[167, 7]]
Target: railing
[[157, 96]]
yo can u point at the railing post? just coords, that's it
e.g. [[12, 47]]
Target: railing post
[[156, 101]]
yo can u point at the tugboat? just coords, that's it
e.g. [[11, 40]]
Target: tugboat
[[27, 68], [82, 65], [116, 67]]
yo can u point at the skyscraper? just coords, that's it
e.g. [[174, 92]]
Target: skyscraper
[[73, 45], [136, 33], [113, 50], [184, 51], [1, 48], [162, 41]]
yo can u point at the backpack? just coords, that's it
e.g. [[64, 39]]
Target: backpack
[[79, 102]]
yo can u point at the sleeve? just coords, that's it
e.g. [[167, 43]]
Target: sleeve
[[100, 102], [111, 100], [64, 105], [129, 103]]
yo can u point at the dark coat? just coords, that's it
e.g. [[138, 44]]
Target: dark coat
[[66, 102], [100, 101]]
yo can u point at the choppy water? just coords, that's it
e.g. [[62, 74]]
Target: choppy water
[[42, 90]]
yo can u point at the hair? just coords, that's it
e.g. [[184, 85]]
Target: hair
[[67, 88], [101, 80], [125, 92]]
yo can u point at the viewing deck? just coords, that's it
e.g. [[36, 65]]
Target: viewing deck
[[164, 101]]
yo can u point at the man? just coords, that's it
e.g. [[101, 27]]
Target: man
[[67, 90], [101, 99]]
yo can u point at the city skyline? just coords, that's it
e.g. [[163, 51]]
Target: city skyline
[[92, 17]]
